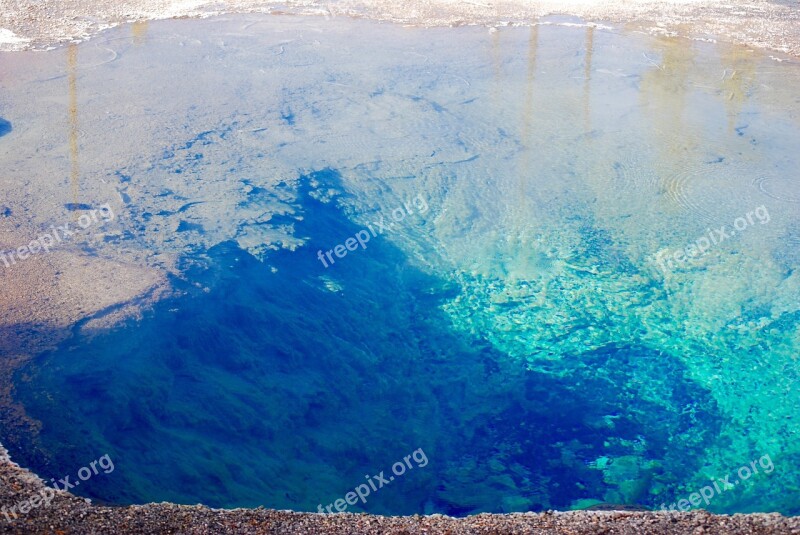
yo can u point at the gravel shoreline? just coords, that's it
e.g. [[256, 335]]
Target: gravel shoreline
[[68, 514], [768, 24]]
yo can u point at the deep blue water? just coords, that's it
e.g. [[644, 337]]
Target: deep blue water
[[271, 389], [5, 127]]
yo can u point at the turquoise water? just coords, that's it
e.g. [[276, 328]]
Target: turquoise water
[[479, 246]]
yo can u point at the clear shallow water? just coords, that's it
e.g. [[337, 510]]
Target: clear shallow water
[[521, 325]]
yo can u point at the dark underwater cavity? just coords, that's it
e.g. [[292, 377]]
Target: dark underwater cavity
[[265, 385], [77, 206]]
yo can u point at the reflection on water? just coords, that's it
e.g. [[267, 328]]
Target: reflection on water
[[74, 175], [738, 77], [664, 91], [587, 75], [139, 30], [526, 139], [521, 331]]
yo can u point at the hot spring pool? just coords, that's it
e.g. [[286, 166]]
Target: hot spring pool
[[421, 270]]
